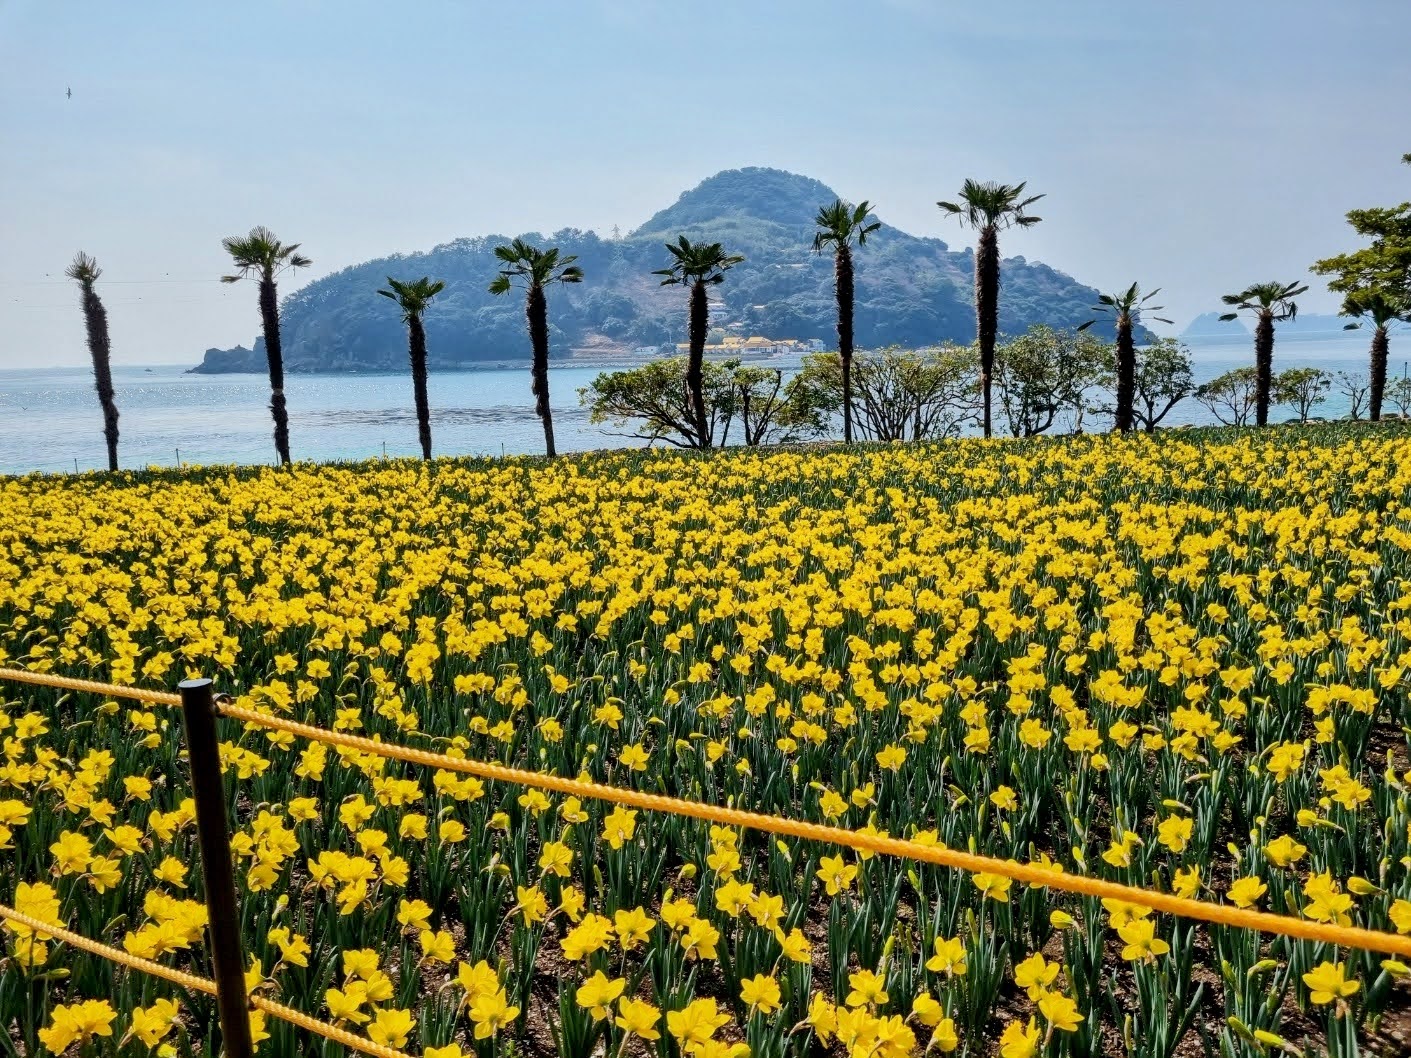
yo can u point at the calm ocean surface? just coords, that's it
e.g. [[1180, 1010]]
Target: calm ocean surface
[[50, 420]]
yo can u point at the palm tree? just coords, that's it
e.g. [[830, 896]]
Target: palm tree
[[1382, 309], [838, 225], [85, 272], [262, 255], [537, 268], [697, 265], [1127, 307], [1270, 303], [987, 208], [414, 297]]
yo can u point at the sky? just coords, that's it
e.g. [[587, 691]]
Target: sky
[[1194, 146]]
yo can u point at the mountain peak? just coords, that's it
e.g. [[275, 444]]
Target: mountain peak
[[770, 195]]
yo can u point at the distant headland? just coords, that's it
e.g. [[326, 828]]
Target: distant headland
[[910, 290]]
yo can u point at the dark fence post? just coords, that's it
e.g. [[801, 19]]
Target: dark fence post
[[198, 707]]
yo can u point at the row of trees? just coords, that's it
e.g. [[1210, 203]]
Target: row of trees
[[1375, 282], [260, 255], [1233, 397], [1038, 379]]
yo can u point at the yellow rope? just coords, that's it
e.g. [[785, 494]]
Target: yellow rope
[[43, 930], [1243, 918], [1167, 903], [112, 690], [327, 1031]]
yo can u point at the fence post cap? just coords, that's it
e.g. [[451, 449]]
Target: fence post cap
[[193, 685]]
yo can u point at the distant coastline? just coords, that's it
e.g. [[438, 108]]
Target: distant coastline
[[607, 362], [244, 361], [1209, 329]]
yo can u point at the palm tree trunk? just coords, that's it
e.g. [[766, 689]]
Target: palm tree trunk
[[95, 319], [987, 311], [843, 287], [537, 312], [416, 347], [274, 354], [1126, 373], [695, 378], [1380, 351], [1263, 367]]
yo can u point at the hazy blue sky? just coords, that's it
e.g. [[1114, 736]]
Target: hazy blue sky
[[1197, 146]]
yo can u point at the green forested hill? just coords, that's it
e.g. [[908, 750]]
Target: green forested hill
[[910, 290]]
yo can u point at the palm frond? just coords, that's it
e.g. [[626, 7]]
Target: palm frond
[[1274, 300], [84, 269], [1131, 303], [413, 296], [992, 205], [1380, 306], [261, 252], [698, 262], [535, 266]]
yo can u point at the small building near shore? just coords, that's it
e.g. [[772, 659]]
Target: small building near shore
[[755, 345]]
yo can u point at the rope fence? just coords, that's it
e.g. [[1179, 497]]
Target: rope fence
[[1167, 903], [68, 683], [201, 708], [45, 931]]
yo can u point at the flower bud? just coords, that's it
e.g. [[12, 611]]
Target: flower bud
[[1396, 968], [1263, 966]]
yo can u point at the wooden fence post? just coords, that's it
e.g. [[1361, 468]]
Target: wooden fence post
[[198, 707]]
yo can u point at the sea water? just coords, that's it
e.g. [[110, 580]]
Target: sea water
[[50, 420]]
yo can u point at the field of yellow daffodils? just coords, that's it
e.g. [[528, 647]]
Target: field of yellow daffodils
[[1180, 663]]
